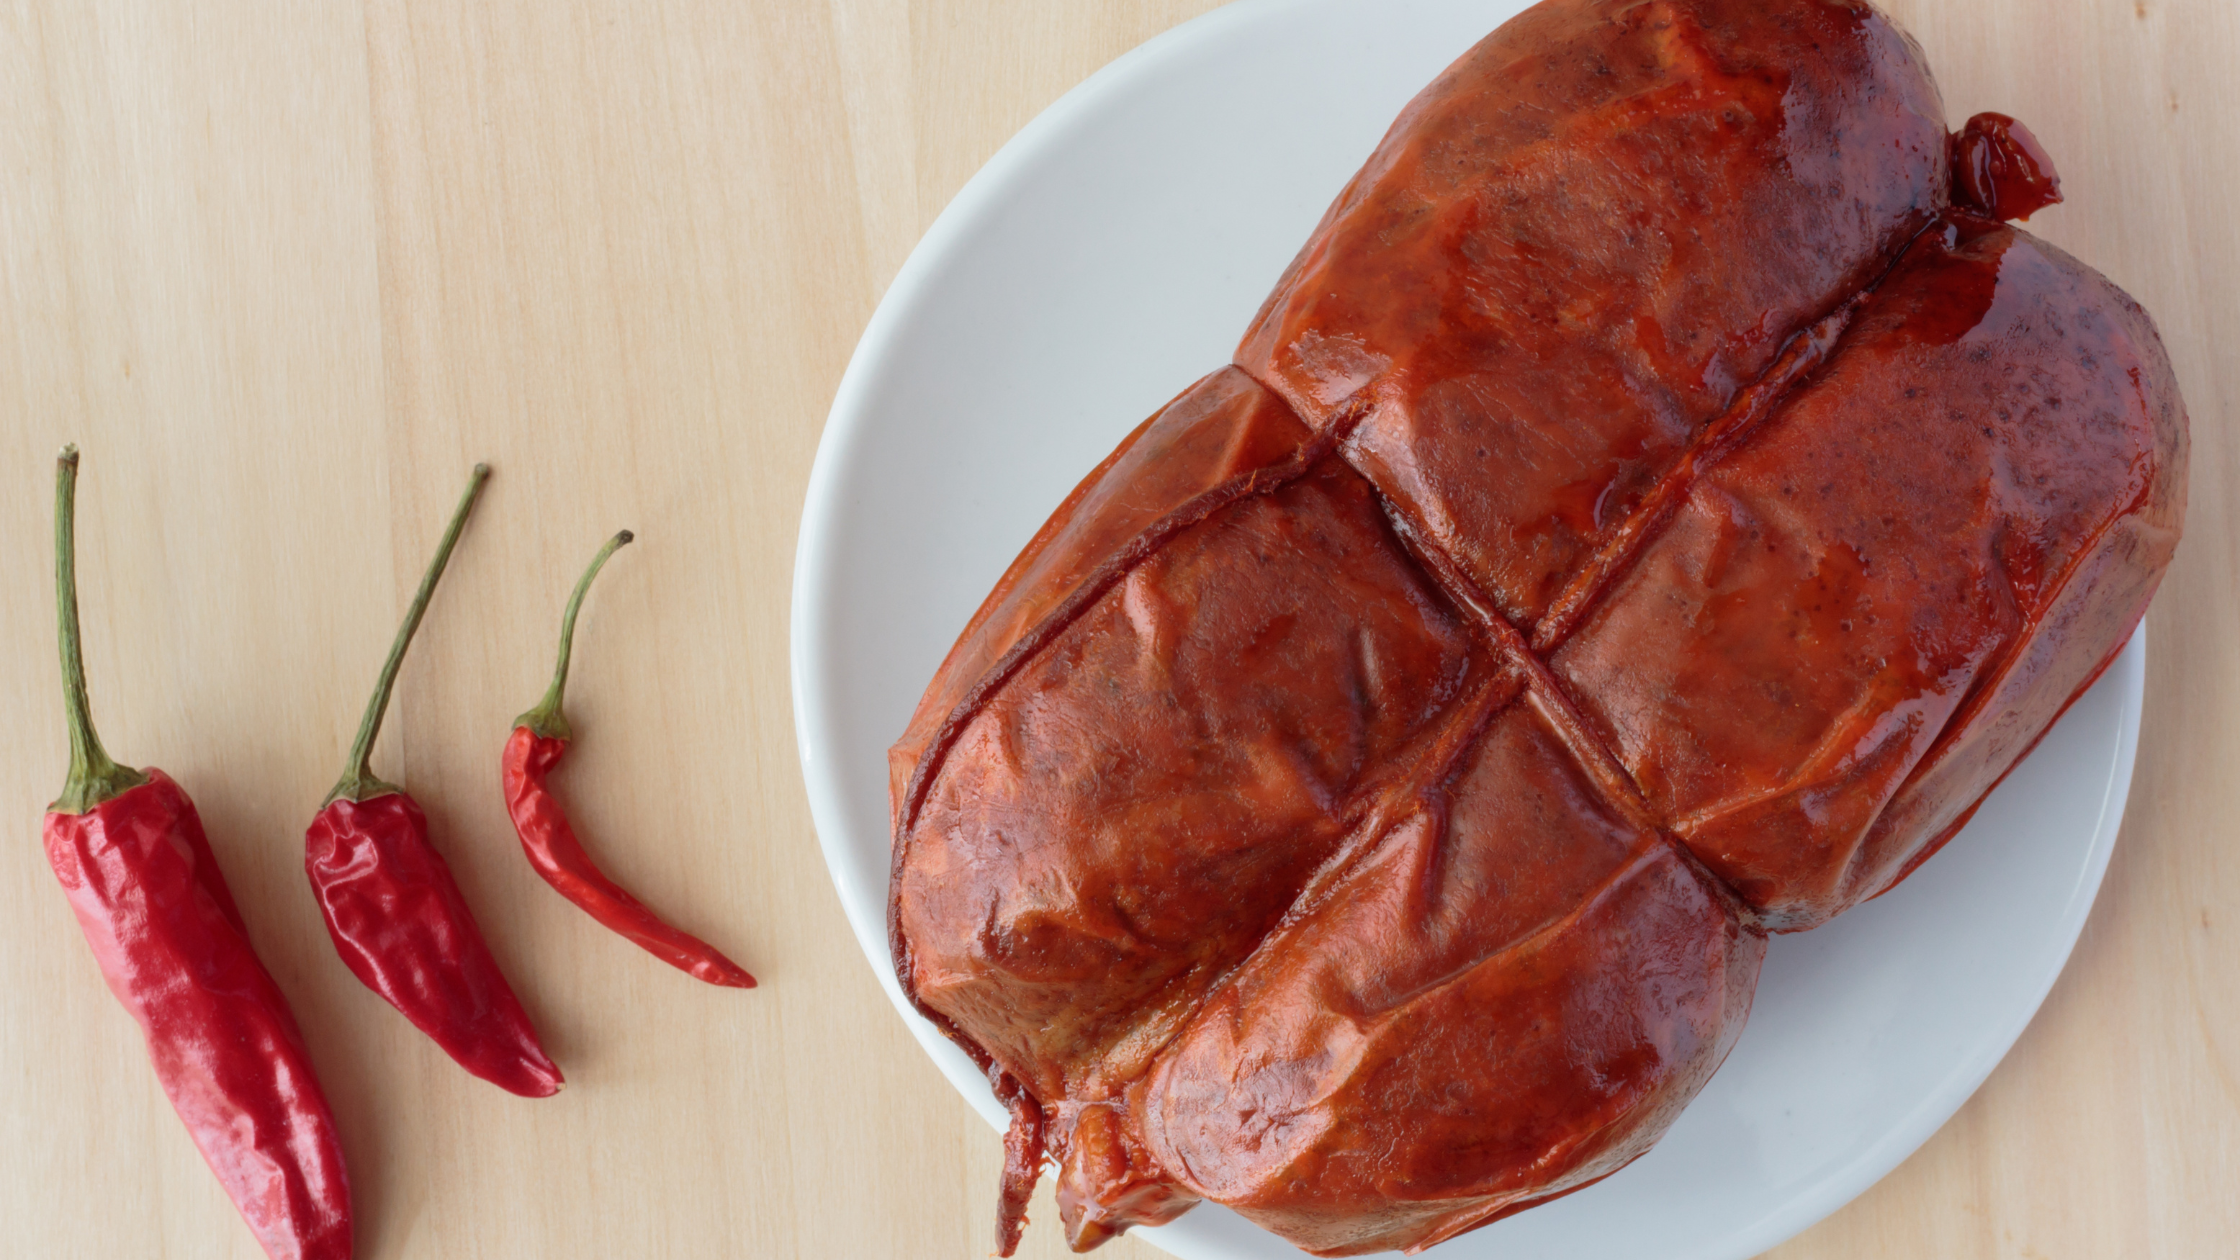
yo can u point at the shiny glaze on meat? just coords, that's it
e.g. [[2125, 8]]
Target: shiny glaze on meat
[[1657, 505]]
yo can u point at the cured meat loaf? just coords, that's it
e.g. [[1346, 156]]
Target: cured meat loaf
[[1655, 508]]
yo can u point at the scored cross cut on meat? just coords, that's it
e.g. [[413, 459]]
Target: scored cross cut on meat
[[1657, 505], [1942, 537]]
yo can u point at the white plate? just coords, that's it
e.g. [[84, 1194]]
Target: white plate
[[1112, 253]]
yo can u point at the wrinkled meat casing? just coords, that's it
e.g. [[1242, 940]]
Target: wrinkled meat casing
[[1654, 509]]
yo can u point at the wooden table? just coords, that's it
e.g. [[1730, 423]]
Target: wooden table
[[285, 268]]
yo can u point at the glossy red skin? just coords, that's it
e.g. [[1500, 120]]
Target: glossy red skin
[[1999, 169], [162, 924], [1648, 514], [550, 841], [1856, 623], [1533, 289], [397, 918]]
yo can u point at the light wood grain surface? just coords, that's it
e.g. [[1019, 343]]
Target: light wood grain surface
[[285, 268]]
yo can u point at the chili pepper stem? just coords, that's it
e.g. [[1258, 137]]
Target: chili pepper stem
[[358, 782], [94, 776], [546, 721]]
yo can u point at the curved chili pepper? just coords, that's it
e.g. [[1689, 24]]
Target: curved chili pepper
[[540, 738], [394, 910], [137, 868]]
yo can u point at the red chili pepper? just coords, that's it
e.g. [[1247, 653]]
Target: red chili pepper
[[131, 854], [540, 739], [394, 910]]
